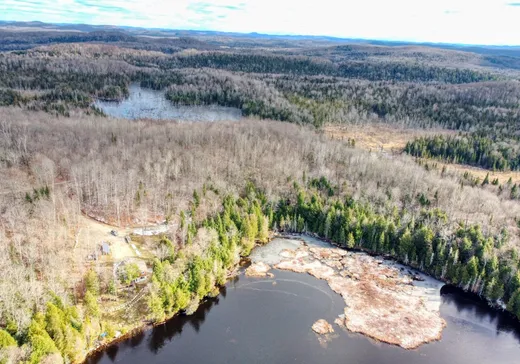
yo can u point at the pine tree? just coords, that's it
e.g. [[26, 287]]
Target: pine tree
[[471, 269], [91, 305], [181, 294], [514, 303], [486, 180], [111, 288], [6, 340], [92, 282], [263, 229], [405, 246], [155, 302], [328, 224], [41, 343], [196, 278], [342, 239], [183, 220], [351, 241], [196, 198], [54, 325]]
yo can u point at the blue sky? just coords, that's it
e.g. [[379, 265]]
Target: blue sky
[[449, 21]]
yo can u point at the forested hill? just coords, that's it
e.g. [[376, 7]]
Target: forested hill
[[415, 86], [13, 40], [220, 188], [256, 39]]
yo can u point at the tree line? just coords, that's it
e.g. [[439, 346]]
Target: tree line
[[186, 274], [471, 149], [466, 258], [196, 176], [22, 40], [225, 237], [309, 66], [181, 278]]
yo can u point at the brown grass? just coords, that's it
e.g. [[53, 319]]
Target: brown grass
[[381, 302], [377, 137], [503, 177], [393, 139]]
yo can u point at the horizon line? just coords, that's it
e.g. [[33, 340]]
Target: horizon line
[[286, 35]]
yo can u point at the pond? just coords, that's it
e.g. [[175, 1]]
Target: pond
[[144, 103], [268, 320]]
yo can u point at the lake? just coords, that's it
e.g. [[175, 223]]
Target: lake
[[257, 321], [144, 103]]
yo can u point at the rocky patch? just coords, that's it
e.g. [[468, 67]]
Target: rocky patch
[[259, 269], [381, 301]]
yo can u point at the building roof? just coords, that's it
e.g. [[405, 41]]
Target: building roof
[[105, 248]]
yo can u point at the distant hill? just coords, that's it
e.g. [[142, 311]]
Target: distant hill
[[32, 34], [26, 35], [510, 51]]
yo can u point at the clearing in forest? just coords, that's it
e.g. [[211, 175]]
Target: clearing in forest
[[389, 138], [93, 233], [393, 139]]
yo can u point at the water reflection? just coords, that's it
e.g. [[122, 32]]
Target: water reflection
[[112, 352], [166, 332], [137, 339], [470, 307], [262, 325]]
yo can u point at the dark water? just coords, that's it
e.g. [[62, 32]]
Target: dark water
[[254, 321], [151, 104]]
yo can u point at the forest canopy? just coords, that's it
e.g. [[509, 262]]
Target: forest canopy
[[221, 188], [472, 149]]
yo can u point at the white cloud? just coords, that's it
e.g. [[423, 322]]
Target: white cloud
[[452, 21]]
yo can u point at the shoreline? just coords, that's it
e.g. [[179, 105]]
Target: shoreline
[[382, 301], [142, 327], [245, 262], [494, 306]]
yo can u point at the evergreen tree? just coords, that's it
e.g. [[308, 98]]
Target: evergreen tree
[[196, 198], [405, 246], [6, 340], [486, 180], [351, 243], [92, 282], [91, 305], [514, 303], [40, 341]]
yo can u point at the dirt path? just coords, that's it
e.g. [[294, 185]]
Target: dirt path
[[92, 233]]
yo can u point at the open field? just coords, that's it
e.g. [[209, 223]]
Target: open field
[[379, 137], [93, 233], [480, 173]]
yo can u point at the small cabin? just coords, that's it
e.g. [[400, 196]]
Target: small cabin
[[105, 248], [139, 280]]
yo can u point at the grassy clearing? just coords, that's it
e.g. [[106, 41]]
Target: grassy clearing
[[393, 139], [375, 137]]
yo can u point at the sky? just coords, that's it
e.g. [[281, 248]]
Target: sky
[[494, 22]]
